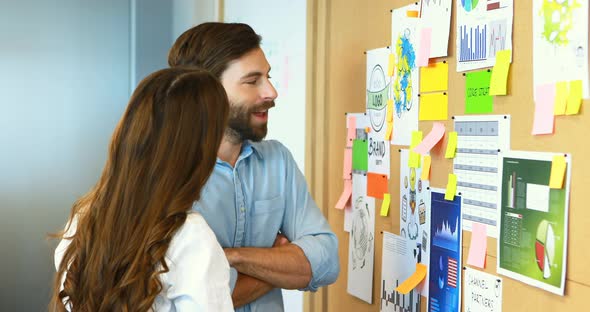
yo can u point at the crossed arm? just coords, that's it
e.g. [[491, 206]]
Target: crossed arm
[[261, 269]]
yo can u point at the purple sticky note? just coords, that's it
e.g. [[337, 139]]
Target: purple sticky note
[[425, 42], [544, 101]]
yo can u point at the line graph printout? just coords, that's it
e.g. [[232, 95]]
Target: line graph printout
[[479, 139], [436, 15], [484, 27]]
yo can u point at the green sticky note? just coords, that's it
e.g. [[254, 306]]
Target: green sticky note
[[360, 155], [477, 93]]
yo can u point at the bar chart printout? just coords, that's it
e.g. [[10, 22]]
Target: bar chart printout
[[473, 43], [398, 264]]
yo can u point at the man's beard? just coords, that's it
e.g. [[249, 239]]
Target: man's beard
[[239, 128]]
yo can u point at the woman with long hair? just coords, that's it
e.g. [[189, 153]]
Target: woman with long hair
[[132, 242]]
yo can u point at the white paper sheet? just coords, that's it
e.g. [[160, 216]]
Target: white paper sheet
[[483, 28], [436, 15], [476, 165], [415, 212], [361, 247], [560, 43], [378, 93], [482, 292], [397, 265], [405, 35]]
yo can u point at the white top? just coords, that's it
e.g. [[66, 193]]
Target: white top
[[198, 279]]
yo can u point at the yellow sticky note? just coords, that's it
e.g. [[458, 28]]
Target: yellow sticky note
[[390, 110], [385, 204], [451, 145], [434, 77], [414, 160], [574, 100], [412, 13], [557, 172], [389, 131], [413, 280], [391, 65], [426, 168], [500, 73], [433, 106], [451, 187], [560, 98]]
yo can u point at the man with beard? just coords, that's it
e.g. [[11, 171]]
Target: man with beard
[[256, 200]]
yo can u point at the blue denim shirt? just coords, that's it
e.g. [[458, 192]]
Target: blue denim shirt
[[247, 205]]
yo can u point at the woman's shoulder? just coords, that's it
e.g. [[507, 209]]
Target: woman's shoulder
[[195, 231]]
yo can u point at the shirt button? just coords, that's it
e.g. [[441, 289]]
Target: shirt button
[[242, 209]]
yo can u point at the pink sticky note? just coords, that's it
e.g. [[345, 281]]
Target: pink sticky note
[[347, 171], [437, 132], [351, 124], [346, 193], [479, 245], [424, 52], [544, 118]]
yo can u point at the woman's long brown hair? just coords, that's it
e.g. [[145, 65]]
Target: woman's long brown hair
[[161, 154]]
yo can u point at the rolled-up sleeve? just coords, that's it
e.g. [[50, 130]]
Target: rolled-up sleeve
[[305, 226]]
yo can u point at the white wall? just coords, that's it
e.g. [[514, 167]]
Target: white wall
[[282, 25]]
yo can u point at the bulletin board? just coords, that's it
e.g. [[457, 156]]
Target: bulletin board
[[340, 32]]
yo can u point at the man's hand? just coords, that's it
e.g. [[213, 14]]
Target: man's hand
[[280, 240]]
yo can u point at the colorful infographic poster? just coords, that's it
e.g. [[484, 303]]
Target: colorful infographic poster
[[532, 246], [484, 27], [361, 249], [398, 264], [445, 253], [560, 42], [415, 212], [405, 82], [378, 93], [482, 292], [436, 15], [479, 141]]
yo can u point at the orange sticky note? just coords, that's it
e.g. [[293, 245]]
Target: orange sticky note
[[478, 246], [413, 280], [574, 100], [451, 187], [385, 204], [391, 65], [376, 185], [412, 13], [347, 169], [346, 193], [367, 129], [451, 145], [426, 168], [558, 166], [560, 98]]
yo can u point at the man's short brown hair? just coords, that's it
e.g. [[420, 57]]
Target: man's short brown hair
[[213, 46]]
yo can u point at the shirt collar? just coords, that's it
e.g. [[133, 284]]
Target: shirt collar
[[248, 148]]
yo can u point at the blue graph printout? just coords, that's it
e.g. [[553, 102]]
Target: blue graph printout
[[445, 253]]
